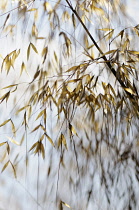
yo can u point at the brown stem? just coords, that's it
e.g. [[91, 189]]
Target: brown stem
[[108, 63]]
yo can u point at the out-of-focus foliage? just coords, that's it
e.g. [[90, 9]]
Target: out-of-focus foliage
[[69, 95]]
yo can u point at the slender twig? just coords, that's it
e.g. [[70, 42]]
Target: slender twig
[[108, 63]]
